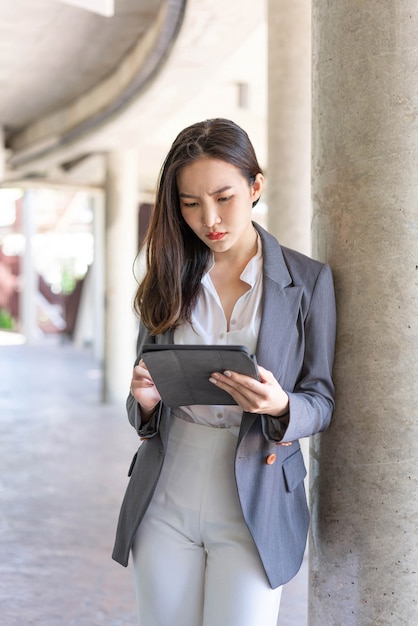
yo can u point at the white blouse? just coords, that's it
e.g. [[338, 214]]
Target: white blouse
[[209, 326]]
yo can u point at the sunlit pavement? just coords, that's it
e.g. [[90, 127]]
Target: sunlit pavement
[[63, 463], [8, 338]]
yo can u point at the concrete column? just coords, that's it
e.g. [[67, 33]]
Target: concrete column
[[28, 277], [98, 271], [2, 154], [120, 250], [289, 122], [364, 545]]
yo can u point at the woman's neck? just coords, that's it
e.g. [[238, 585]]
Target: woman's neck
[[239, 255]]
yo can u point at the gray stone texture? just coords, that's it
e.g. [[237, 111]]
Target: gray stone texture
[[364, 470]]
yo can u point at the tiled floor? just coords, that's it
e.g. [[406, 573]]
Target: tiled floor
[[63, 463]]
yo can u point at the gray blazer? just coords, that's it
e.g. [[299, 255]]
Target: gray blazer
[[296, 343]]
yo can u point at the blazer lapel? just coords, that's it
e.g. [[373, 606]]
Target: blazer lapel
[[281, 305], [280, 310]]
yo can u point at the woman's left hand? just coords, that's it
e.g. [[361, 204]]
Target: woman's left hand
[[253, 396]]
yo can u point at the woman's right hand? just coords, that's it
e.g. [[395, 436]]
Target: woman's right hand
[[143, 389]]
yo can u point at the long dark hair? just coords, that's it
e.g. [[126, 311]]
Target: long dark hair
[[176, 258]]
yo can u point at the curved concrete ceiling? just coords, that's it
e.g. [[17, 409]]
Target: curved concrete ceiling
[[96, 93], [51, 53], [67, 70]]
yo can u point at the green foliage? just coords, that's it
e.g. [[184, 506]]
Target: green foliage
[[6, 320], [68, 281]]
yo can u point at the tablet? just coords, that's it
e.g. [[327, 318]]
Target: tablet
[[181, 372]]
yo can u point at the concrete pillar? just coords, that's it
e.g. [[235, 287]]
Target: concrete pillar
[[98, 277], [289, 122], [89, 328], [120, 250], [364, 544], [2, 154], [28, 277]]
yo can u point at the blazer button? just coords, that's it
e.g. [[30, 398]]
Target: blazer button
[[271, 459]]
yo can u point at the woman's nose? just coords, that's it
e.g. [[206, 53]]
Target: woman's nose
[[210, 217]]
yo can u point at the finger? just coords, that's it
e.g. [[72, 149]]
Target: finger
[[140, 368], [234, 379], [248, 398], [141, 372], [245, 385], [266, 375]]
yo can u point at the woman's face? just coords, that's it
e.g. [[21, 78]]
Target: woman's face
[[216, 203]]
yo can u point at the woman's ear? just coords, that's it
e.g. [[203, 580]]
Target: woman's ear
[[257, 187]]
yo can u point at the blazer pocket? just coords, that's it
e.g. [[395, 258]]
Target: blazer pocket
[[294, 470]]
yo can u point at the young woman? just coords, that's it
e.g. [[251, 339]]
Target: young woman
[[215, 512]]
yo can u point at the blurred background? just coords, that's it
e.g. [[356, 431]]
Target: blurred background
[[92, 94]]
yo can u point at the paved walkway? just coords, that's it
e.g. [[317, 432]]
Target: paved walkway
[[63, 463]]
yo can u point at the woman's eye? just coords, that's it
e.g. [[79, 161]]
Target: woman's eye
[[190, 205], [224, 198]]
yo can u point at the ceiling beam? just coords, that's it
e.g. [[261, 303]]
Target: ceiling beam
[[102, 7]]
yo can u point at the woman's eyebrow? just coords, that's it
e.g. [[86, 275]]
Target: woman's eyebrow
[[212, 193]]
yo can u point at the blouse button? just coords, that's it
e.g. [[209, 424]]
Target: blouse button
[[271, 459]]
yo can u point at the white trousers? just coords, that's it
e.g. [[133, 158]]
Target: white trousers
[[195, 563]]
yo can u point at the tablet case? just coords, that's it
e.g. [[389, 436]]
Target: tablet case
[[181, 372]]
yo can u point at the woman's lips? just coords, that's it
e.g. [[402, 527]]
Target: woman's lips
[[215, 236]]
